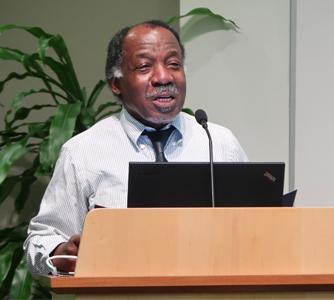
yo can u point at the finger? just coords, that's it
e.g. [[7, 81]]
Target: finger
[[75, 239], [64, 265], [71, 249]]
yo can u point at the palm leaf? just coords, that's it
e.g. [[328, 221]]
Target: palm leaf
[[21, 286], [66, 78], [7, 187], [17, 101], [11, 54], [203, 11], [104, 106], [39, 129], [58, 45], [5, 260], [11, 76], [96, 92], [16, 257], [10, 154], [61, 129], [27, 180], [23, 112], [43, 45], [87, 118], [35, 31], [15, 234], [46, 40], [188, 111]]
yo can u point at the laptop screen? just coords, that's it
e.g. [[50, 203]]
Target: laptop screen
[[188, 184]]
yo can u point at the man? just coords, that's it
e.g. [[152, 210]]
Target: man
[[145, 71]]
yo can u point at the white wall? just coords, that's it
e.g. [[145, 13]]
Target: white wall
[[242, 80], [315, 102]]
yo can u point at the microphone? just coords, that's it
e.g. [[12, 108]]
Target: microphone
[[202, 118]]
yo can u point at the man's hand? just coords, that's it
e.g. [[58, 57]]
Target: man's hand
[[69, 248]]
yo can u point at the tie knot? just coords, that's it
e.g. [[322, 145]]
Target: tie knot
[[159, 139]]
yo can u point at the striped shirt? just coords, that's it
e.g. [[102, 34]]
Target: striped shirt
[[92, 170]]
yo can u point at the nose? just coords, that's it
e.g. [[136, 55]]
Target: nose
[[161, 76]]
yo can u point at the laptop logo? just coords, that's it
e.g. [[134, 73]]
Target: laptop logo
[[269, 176]]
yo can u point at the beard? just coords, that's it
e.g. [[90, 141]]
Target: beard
[[158, 120]]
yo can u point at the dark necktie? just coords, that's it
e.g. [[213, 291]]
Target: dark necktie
[[159, 139]]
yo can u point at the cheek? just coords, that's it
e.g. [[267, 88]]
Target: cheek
[[139, 85], [134, 88], [181, 80]]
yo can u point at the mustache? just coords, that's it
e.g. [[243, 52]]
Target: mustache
[[163, 90]]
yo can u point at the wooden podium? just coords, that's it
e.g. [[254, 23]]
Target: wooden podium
[[204, 253]]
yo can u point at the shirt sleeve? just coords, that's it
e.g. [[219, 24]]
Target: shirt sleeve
[[238, 154], [61, 215]]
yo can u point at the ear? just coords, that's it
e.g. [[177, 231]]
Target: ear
[[114, 84]]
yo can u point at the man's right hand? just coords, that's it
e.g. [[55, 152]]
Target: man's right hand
[[69, 248]]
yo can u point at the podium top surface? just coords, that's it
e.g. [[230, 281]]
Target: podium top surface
[[207, 242]]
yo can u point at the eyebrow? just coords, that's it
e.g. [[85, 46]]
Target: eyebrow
[[146, 54]]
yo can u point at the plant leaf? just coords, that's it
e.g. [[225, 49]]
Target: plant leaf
[[61, 129], [16, 258], [9, 154], [23, 112], [21, 286], [5, 261], [7, 186], [84, 94], [17, 100], [103, 106], [11, 54], [15, 234], [87, 117], [203, 11], [65, 77], [47, 40], [31, 64], [35, 31], [11, 76], [43, 43], [59, 46], [39, 130], [27, 180], [188, 111], [96, 92], [40, 291]]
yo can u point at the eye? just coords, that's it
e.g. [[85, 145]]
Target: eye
[[175, 65], [143, 68]]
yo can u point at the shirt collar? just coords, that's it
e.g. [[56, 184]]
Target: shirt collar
[[133, 128]]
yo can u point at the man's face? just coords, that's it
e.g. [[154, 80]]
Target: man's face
[[153, 85]]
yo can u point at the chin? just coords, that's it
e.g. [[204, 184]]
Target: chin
[[163, 119]]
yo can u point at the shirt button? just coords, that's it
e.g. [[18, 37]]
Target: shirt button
[[142, 146]]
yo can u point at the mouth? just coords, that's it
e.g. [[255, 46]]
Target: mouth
[[163, 98], [164, 101]]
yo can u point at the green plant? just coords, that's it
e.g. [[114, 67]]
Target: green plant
[[70, 111]]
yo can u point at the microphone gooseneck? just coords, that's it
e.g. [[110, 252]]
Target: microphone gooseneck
[[202, 118]]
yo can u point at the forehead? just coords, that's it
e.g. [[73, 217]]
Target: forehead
[[145, 38]]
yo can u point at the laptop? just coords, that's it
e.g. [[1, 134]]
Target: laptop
[[187, 184]]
